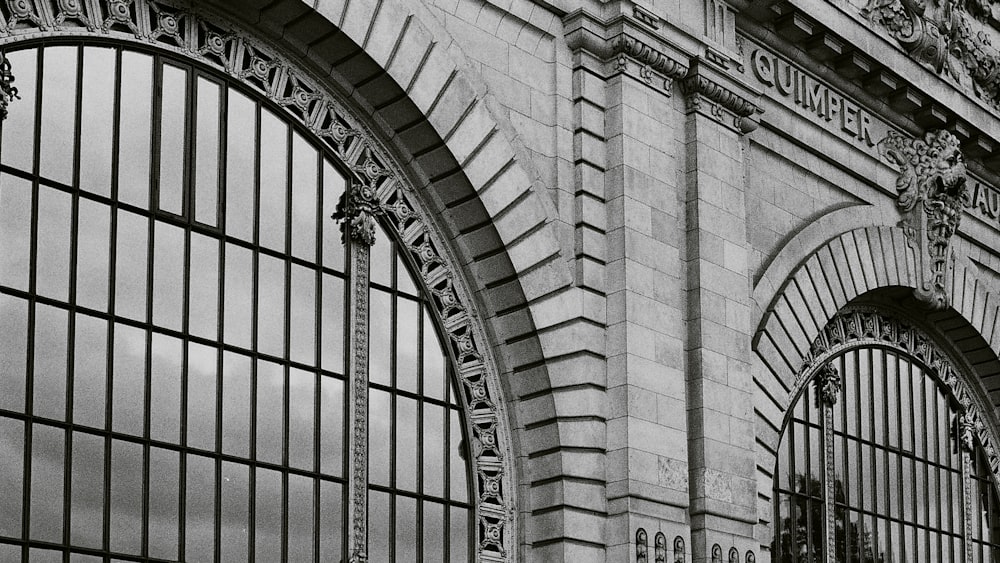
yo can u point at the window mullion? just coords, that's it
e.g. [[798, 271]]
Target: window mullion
[[356, 212]]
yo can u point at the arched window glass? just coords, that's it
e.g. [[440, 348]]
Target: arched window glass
[[874, 472], [173, 313]]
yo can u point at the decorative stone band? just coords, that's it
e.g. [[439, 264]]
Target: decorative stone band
[[172, 26], [698, 87], [861, 326], [932, 195]]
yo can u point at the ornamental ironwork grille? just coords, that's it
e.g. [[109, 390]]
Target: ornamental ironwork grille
[[179, 328], [878, 460]]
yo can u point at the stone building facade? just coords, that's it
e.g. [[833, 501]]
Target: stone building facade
[[649, 232]]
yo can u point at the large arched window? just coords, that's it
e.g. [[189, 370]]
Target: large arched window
[[877, 461], [174, 333]]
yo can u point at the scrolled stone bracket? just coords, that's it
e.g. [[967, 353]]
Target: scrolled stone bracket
[[654, 67], [711, 95], [931, 196]]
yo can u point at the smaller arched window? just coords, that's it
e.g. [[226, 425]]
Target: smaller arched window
[[872, 466]]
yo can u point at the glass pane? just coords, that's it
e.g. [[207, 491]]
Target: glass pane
[[378, 526], [270, 411], [11, 476], [130, 266], [93, 255], [20, 122], [165, 385], [234, 515], [433, 449], [168, 276], [302, 324], [87, 510], [172, 133], [381, 259], [407, 444], [241, 142], [14, 351], [273, 181], [199, 506], [331, 521], [434, 362], [458, 457], [58, 113], [201, 396], [52, 257], [332, 426], [50, 361], [203, 308], [407, 342], [267, 516], [379, 421], [15, 230], [36, 555], [305, 172], [458, 546], [96, 120], [90, 371], [236, 405], [129, 380], [332, 349], [135, 136], [126, 488], [380, 337], [333, 247], [207, 153], [239, 295], [300, 518], [301, 407], [406, 529], [271, 306], [404, 282], [433, 531], [164, 483]]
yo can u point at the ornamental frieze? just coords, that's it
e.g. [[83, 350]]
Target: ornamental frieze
[[953, 38]]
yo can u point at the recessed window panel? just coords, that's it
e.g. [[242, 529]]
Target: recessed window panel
[[174, 328]]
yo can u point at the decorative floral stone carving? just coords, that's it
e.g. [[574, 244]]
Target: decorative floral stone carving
[[966, 431], [716, 553], [951, 36], [356, 213], [932, 193], [7, 91], [660, 546], [828, 383], [641, 546], [678, 550]]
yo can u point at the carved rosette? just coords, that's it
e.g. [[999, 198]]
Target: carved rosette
[[932, 192], [185, 29]]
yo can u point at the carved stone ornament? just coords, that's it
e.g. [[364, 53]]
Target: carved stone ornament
[[7, 91], [651, 62], [828, 384], [700, 90], [679, 550], [861, 326], [966, 428], [356, 213], [660, 545], [932, 193], [950, 36], [716, 553], [641, 546], [187, 31]]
